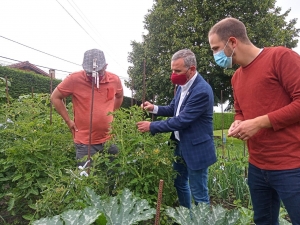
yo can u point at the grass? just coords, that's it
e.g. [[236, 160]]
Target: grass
[[231, 146], [231, 140]]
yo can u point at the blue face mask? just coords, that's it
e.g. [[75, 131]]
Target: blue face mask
[[223, 60]]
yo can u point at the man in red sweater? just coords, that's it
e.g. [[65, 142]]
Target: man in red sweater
[[266, 90]]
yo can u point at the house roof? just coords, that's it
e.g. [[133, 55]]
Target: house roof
[[29, 67]]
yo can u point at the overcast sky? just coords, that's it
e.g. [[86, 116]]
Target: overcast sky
[[67, 28]]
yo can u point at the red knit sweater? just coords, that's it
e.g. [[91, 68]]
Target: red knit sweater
[[270, 85]]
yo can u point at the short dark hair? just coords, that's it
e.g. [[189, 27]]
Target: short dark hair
[[230, 27]]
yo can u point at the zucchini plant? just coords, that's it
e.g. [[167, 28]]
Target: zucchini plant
[[118, 210]]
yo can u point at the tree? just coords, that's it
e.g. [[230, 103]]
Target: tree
[[176, 24]]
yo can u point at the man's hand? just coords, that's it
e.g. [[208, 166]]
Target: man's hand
[[147, 106], [143, 126], [72, 127], [246, 129], [231, 130]]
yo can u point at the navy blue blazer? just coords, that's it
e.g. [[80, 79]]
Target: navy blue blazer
[[194, 123]]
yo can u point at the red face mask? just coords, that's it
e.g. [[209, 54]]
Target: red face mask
[[179, 79]]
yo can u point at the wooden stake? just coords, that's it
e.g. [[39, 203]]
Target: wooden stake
[[52, 74], [6, 89], [223, 144], [144, 84]]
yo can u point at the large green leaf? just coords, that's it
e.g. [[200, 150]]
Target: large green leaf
[[127, 209], [83, 217], [202, 214], [119, 210], [49, 221]]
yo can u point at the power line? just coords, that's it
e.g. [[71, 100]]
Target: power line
[[121, 77], [85, 19], [81, 14], [90, 25], [39, 51], [77, 22]]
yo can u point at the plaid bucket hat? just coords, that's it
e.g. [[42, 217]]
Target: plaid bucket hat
[[88, 58]]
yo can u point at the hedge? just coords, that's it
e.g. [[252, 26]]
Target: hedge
[[25, 82], [224, 120]]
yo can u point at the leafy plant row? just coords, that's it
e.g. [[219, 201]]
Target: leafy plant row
[[127, 209], [39, 178]]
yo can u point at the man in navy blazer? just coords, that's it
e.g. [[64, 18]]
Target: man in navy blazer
[[191, 123]]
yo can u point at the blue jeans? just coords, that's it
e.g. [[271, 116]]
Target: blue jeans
[[190, 182], [267, 188]]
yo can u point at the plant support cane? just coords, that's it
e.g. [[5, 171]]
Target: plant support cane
[[95, 79]]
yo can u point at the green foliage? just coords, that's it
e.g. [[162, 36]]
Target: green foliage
[[214, 215], [222, 120], [283, 222], [126, 209], [143, 159], [24, 82], [227, 180], [228, 176], [39, 178], [30, 150], [122, 209], [37, 161], [246, 215], [202, 214], [72, 217], [67, 191], [128, 102], [173, 25]]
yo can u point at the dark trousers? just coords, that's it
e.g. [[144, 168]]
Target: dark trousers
[[268, 187], [82, 150]]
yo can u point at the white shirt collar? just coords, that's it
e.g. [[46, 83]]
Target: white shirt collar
[[188, 84]]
